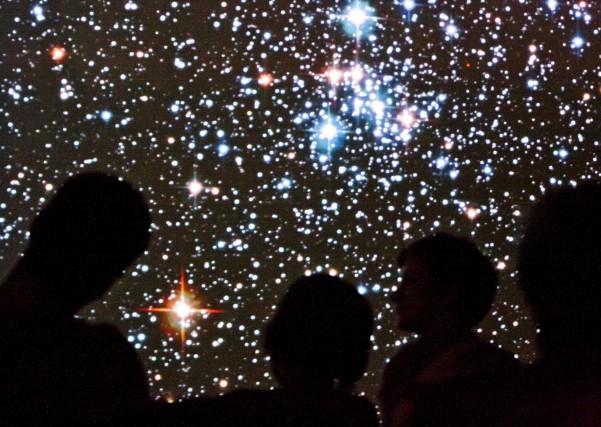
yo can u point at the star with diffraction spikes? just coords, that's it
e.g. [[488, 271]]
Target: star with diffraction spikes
[[58, 54], [182, 306]]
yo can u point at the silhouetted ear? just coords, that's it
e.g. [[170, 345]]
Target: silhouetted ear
[[454, 290], [459, 306], [450, 296], [454, 296], [445, 290]]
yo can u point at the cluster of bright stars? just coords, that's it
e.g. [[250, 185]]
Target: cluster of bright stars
[[330, 130]]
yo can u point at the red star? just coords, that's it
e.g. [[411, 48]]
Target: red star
[[182, 307]]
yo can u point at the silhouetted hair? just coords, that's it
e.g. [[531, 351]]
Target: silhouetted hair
[[560, 266], [450, 258], [322, 328], [86, 235]]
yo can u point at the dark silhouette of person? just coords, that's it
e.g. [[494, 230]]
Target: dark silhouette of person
[[319, 338], [560, 273], [447, 288], [318, 342], [54, 367]]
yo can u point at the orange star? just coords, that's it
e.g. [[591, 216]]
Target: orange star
[[182, 308], [58, 54]]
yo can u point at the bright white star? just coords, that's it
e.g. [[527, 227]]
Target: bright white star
[[357, 16]]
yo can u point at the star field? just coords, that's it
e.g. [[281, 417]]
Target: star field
[[275, 138]]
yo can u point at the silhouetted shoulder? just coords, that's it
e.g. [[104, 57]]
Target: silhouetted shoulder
[[260, 408], [484, 398], [110, 350], [547, 396], [64, 369], [283, 408], [533, 396]]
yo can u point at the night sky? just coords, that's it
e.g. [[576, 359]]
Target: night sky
[[276, 138]]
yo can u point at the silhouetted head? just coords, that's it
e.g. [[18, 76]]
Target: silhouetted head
[[560, 269], [319, 338], [84, 238], [446, 279]]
